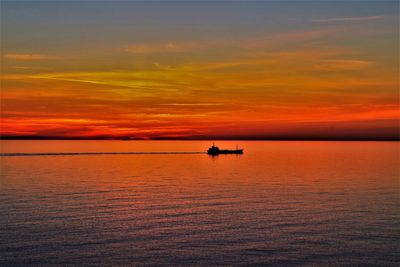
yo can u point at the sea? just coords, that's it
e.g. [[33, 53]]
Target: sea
[[168, 203]]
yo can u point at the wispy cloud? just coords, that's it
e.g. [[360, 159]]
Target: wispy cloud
[[143, 48], [17, 56], [22, 68], [192, 104], [254, 42], [344, 64], [345, 19]]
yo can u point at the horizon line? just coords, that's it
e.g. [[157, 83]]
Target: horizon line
[[321, 138]]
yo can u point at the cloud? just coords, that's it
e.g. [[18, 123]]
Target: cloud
[[191, 104], [255, 42], [283, 38], [344, 64], [172, 47], [346, 19], [15, 56], [22, 68]]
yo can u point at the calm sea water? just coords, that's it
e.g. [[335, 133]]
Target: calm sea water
[[283, 203]]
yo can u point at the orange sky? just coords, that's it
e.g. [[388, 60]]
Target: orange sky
[[146, 71]]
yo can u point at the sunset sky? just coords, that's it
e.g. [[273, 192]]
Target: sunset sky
[[200, 70]]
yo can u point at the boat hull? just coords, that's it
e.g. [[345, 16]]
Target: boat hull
[[238, 151]]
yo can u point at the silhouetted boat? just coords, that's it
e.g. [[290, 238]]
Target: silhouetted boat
[[214, 150]]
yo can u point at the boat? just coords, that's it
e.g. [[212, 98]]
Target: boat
[[214, 150]]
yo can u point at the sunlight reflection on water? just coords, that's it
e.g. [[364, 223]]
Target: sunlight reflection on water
[[279, 203]]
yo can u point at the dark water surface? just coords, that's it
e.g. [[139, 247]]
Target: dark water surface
[[283, 203]]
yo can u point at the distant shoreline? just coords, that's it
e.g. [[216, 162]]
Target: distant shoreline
[[198, 139]]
